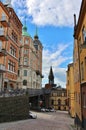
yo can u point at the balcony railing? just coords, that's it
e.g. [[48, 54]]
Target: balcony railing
[[4, 21], [3, 36], [2, 68]]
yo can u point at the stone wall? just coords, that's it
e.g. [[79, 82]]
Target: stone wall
[[14, 108]]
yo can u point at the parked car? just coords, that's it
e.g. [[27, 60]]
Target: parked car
[[43, 110], [52, 110], [47, 110], [32, 115]]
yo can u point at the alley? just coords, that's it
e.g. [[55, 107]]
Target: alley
[[59, 120]]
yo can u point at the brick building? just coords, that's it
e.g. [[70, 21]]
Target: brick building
[[20, 55], [10, 35]]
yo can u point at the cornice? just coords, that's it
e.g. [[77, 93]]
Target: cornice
[[80, 19]]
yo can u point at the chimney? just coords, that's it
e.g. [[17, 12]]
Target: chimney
[[74, 20]]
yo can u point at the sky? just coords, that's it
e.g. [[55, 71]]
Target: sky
[[55, 22]]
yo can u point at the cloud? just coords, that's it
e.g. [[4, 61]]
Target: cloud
[[49, 12], [56, 59]]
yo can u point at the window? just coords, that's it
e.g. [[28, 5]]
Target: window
[[14, 36], [0, 44], [25, 72], [59, 101], [25, 82], [26, 41], [25, 51], [66, 102], [11, 66], [59, 93], [13, 50], [18, 72], [25, 61], [65, 94]]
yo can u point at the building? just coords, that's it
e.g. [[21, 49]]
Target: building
[[10, 35], [58, 98], [80, 67], [70, 90], [20, 55], [30, 62]]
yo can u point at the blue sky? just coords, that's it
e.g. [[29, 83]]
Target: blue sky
[[54, 19]]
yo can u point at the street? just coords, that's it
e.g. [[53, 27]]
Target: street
[[59, 120]]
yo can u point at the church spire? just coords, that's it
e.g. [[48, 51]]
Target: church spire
[[51, 76], [24, 29]]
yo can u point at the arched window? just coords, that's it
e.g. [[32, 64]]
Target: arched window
[[59, 101], [25, 82]]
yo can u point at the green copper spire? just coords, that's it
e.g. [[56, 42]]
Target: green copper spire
[[24, 30]]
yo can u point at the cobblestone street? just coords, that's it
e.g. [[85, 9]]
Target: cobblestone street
[[45, 121]]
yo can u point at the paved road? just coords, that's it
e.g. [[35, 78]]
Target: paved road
[[45, 121]]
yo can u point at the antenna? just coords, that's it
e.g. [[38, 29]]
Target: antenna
[[74, 20], [25, 21]]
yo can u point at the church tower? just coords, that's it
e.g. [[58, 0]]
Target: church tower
[[51, 77]]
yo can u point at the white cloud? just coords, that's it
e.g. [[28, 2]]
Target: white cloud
[[56, 59], [49, 12], [55, 13]]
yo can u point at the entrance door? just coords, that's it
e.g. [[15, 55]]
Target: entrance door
[[5, 86]]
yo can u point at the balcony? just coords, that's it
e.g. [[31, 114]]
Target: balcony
[[37, 72], [3, 37], [2, 68], [2, 51], [4, 21]]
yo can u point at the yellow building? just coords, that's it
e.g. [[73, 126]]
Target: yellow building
[[58, 98], [70, 90], [80, 66]]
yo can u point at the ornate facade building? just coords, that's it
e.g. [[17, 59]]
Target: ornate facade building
[[58, 98], [10, 35], [30, 62], [20, 55]]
